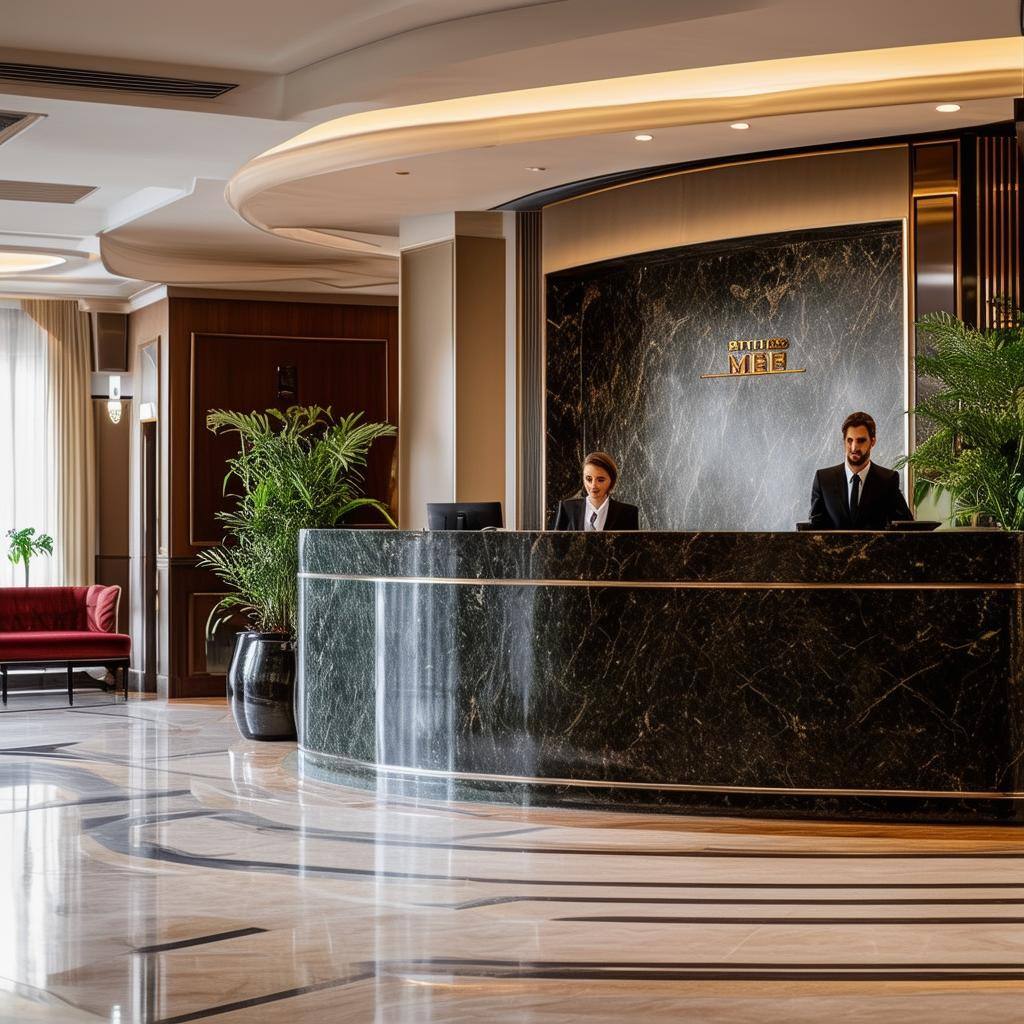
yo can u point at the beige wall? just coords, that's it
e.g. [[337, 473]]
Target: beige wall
[[480, 369], [452, 441], [732, 201], [426, 443]]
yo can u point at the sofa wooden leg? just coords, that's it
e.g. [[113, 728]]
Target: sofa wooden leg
[[71, 687], [124, 679], [3, 672]]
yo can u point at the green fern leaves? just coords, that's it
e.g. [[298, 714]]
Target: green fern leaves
[[298, 469], [976, 450]]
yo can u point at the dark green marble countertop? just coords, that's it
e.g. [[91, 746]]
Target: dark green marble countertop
[[852, 558]]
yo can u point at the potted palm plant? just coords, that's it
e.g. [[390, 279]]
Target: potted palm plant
[[975, 453], [24, 544], [298, 469]]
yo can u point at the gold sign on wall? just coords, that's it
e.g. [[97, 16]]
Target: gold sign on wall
[[756, 357]]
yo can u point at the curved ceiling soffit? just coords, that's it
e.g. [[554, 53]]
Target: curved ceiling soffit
[[70, 259], [179, 268], [261, 191]]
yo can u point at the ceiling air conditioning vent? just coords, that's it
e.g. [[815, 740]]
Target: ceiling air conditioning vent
[[81, 78], [12, 122], [8, 120], [43, 192]]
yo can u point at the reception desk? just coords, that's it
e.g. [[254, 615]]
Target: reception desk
[[829, 675]]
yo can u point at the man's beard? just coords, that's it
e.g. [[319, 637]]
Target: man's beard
[[856, 458]]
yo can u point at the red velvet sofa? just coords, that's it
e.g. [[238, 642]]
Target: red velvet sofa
[[66, 627]]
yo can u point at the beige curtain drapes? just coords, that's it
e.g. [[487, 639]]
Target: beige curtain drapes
[[72, 429]]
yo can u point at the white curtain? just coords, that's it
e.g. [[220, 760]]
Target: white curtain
[[28, 463], [71, 428]]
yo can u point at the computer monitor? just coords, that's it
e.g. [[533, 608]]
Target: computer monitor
[[464, 515]]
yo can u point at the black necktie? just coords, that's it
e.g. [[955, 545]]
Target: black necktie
[[593, 520], [855, 495]]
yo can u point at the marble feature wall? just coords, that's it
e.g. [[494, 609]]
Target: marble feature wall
[[628, 341]]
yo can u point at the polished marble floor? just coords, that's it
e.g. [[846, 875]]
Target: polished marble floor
[[156, 868]]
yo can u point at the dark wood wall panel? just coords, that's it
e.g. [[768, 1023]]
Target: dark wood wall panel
[[529, 249], [999, 229], [224, 353], [240, 372], [113, 466], [276, 321]]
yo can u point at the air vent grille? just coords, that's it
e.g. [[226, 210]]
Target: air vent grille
[[43, 192], [81, 78], [12, 122]]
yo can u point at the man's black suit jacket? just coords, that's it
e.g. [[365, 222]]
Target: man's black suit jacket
[[881, 500], [620, 515]]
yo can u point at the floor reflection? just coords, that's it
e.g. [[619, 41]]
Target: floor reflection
[[157, 868]]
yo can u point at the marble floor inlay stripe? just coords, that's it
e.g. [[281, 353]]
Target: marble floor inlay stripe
[[157, 869], [199, 940]]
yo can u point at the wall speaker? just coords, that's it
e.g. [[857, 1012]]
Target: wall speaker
[[110, 342]]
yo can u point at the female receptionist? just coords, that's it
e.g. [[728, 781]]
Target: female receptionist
[[598, 510]]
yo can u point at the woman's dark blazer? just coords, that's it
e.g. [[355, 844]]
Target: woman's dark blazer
[[620, 515]]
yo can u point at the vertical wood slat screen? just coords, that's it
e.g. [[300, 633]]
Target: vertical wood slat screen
[[530, 280], [999, 229]]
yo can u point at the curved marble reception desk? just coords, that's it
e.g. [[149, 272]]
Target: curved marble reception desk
[[847, 675]]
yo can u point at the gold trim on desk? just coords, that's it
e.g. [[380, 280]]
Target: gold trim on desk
[[675, 787], [654, 584]]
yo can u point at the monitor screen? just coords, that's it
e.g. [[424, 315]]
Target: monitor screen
[[464, 515]]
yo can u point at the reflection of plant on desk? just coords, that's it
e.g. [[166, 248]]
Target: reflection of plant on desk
[[25, 544], [976, 452]]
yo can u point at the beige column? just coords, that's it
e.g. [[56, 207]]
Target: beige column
[[453, 348]]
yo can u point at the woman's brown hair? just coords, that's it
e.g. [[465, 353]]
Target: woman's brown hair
[[603, 461]]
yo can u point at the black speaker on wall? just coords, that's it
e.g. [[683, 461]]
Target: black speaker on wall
[[110, 342]]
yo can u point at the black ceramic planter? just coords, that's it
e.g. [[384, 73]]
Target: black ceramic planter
[[261, 686]]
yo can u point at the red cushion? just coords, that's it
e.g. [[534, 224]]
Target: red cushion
[[63, 645], [24, 608], [101, 607]]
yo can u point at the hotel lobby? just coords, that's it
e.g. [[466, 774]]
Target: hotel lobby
[[514, 512]]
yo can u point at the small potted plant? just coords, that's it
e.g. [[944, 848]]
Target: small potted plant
[[298, 469], [24, 544], [975, 453]]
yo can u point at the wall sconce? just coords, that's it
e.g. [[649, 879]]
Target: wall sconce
[[114, 399]]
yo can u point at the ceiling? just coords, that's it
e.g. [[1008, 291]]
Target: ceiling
[[465, 95]]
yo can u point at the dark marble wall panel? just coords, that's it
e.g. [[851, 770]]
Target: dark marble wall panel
[[627, 343]]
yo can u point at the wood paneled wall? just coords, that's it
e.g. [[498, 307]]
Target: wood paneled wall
[[148, 327], [112, 469], [240, 372], [224, 353]]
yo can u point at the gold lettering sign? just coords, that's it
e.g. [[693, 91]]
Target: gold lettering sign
[[756, 357]]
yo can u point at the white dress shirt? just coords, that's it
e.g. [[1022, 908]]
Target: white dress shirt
[[863, 474], [602, 515]]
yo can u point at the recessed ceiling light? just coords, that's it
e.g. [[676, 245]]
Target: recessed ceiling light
[[402, 173], [643, 138], [22, 262], [740, 126], [536, 168], [948, 108]]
